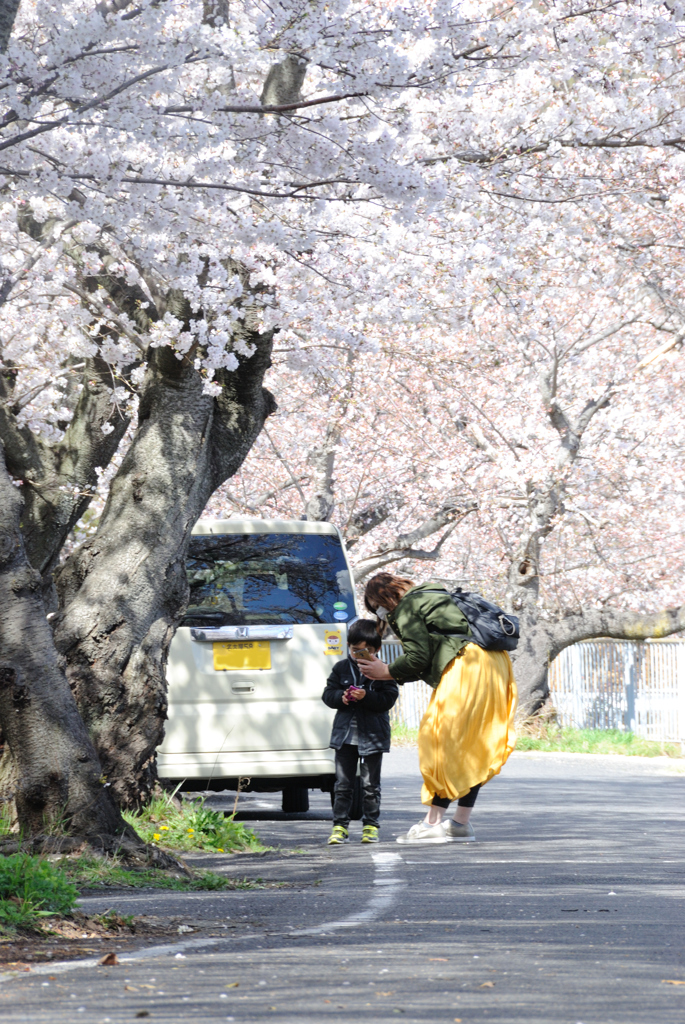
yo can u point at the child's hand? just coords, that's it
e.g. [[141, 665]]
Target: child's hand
[[356, 693], [374, 669]]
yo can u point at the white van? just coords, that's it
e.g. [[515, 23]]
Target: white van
[[267, 619]]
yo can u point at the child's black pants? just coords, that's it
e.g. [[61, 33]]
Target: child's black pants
[[345, 770]]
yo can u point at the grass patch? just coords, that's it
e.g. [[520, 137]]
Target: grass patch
[[6, 820], [593, 741], [31, 890], [35, 889], [88, 871], [403, 736], [191, 826], [548, 736]]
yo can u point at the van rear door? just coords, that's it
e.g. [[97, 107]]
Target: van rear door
[[265, 623]]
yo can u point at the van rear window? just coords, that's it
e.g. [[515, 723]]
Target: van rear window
[[267, 579]]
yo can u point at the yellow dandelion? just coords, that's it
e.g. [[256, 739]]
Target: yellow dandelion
[[219, 849], [165, 828], [156, 836], [191, 830]]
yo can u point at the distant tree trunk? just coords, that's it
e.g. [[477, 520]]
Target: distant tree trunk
[[542, 640], [322, 500], [56, 774], [8, 13], [124, 591]]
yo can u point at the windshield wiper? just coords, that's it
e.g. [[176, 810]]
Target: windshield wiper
[[200, 613]]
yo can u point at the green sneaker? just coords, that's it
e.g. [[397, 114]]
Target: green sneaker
[[370, 834], [338, 836]]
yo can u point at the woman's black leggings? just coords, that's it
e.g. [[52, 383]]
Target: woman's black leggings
[[467, 800]]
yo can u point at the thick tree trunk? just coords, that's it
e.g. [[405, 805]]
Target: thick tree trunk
[[8, 12], [57, 481], [56, 772], [542, 640], [124, 591]]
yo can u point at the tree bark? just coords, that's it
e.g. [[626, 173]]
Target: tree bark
[[57, 775], [542, 640], [57, 481], [8, 13], [124, 591], [322, 459]]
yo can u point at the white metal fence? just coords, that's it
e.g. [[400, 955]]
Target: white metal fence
[[619, 684], [597, 684]]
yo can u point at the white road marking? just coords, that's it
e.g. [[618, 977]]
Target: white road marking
[[60, 966], [385, 864]]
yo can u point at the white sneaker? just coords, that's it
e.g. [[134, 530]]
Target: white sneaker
[[422, 834], [456, 833]]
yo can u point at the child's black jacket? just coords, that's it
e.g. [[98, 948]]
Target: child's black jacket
[[373, 721]]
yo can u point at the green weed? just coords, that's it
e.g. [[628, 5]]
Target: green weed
[[403, 736], [111, 920], [594, 741], [192, 826], [550, 737], [89, 871], [6, 819], [31, 889]]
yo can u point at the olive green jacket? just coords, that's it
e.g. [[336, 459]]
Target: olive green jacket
[[419, 620]]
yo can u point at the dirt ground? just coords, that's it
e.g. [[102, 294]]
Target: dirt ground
[[83, 936]]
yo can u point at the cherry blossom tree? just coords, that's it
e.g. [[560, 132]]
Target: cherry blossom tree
[[400, 193], [541, 444], [162, 170]]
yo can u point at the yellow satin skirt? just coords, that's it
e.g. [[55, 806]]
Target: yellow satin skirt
[[467, 733]]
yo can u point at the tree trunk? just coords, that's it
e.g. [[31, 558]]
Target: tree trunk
[[8, 12], [58, 480], [124, 591], [56, 772], [542, 640]]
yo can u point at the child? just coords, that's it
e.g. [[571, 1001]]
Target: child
[[361, 730]]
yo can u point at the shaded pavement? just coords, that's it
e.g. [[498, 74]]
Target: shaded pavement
[[569, 908]]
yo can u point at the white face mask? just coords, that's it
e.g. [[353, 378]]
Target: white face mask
[[381, 612]]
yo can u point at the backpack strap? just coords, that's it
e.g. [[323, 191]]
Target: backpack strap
[[441, 632]]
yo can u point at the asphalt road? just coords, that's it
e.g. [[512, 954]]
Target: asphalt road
[[570, 908]]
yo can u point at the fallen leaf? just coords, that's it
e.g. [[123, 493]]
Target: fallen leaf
[[147, 986], [457, 1020], [233, 984], [328, 1001], [130, 988], [668, 981], [386, 993], [438, 959], [487, 984], [109, 960]]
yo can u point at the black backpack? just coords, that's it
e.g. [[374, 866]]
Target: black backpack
[[492, 628]]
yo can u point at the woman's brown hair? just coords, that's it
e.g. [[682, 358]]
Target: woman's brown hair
[[384, 586]]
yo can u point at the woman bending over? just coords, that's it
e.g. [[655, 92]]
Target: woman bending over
[[467, 733]]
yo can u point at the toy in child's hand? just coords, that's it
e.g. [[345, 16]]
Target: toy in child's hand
[[354, 693], [362, 654]]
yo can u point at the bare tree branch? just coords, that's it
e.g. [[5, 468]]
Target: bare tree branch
[[402, 546]]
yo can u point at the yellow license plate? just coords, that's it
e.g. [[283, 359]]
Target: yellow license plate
[[242, 654]]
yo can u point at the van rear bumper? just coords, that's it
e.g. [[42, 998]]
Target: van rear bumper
[[273, 784], [265, 771]]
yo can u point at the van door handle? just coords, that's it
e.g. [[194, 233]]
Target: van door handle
[[242, 688]]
